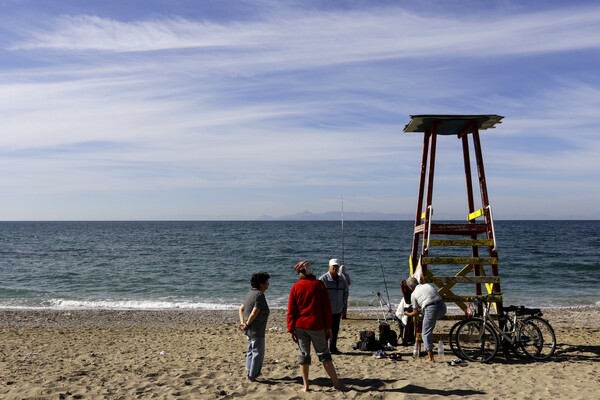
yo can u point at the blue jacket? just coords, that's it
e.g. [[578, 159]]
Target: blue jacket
[[338, 292]]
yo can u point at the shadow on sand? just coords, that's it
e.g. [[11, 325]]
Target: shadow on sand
[[377, 385]]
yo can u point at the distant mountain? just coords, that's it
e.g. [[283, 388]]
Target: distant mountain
[[337, 216]]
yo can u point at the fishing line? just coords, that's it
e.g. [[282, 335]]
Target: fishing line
[[385, 286]]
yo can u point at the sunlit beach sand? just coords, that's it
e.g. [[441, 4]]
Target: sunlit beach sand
[[200, 355]]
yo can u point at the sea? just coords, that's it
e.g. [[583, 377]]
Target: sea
[[207, 264]]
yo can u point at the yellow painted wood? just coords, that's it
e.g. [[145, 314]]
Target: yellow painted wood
[[476, 214], [493, 298], [460, 260], [460, 242], [465, 270], [489, 286], [467, 279]]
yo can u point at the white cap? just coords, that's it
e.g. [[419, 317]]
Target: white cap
[[334, 261]]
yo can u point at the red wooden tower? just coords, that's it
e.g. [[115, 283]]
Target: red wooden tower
[[452, 254]]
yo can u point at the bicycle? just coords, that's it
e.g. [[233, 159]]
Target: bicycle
[[478, 338]]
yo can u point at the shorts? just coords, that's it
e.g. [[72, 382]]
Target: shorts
[[319, 341]]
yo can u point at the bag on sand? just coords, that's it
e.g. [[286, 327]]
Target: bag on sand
[[367, 342], [387, 335]]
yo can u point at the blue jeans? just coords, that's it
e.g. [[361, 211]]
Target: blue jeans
[[255, 356], [431, 314]]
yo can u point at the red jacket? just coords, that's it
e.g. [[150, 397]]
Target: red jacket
[[308, 305]]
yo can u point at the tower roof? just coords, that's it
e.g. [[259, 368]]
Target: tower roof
[[451, 124]]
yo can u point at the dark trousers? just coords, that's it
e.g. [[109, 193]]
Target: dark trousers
[[335, 328]]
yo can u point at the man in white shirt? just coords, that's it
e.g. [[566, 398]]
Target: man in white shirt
[[426, 299], [338, 295]]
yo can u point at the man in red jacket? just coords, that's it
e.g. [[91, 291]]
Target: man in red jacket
[[309, 321]]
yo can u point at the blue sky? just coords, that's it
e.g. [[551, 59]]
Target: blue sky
[[165, 109]]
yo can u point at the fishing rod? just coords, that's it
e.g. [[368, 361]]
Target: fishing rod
[[343, 230], [385, 286]]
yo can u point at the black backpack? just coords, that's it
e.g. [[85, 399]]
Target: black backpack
[[387, 335], [368, 342]]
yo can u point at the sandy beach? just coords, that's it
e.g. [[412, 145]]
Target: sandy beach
[[200, 355]]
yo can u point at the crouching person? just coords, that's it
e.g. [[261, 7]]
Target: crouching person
[[426, 299]]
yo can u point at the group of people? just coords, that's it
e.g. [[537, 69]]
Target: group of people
[[315, 308]]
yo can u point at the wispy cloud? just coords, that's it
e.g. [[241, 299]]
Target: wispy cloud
[[350, 36], [293, 99]]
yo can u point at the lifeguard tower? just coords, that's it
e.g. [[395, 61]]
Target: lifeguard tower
[[451, 254]]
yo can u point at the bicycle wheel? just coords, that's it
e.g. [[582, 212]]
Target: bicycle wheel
[[507, 345], [477, 341], [537, 339], [452, 340], [517, 350]]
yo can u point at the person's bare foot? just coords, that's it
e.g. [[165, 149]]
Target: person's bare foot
[[305, 389], [342, 388]]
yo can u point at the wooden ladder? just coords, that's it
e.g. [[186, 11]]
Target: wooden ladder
[[476, 267]]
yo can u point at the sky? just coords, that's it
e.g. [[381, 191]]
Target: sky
[[232, 110]]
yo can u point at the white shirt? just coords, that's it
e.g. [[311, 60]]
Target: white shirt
[[423, 295]]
